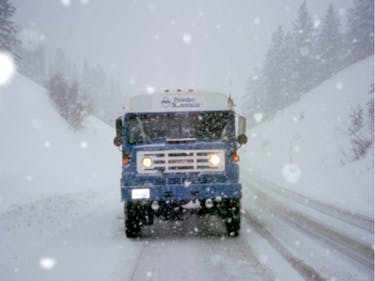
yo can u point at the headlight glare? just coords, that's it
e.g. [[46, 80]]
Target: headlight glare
[[147, 162], [214, 160]]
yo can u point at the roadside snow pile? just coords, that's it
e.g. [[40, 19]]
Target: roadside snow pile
[[315, 146], [41, 155]]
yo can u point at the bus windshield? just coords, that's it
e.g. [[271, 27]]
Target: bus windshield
[[150, 127]]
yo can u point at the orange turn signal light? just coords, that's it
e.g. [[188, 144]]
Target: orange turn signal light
[[235, 158], [125, 160]]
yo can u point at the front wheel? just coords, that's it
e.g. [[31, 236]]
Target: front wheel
[[232, 217], [133, 221]]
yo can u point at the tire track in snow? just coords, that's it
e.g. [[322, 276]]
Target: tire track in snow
[[305, 270], [345, 244], [354, 219], [246, 251], [197, 249]]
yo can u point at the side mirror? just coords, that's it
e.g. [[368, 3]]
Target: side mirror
[[241, 126], [118, 140], [241, 130], [242, 139]]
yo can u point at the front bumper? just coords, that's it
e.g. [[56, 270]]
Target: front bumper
[[184, 193]]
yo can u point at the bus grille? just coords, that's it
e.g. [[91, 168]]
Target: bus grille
[[180, 161]]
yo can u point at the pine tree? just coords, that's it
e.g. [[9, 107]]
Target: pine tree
[[360, 34], [329, 47], [8, 30], [66, 98], [254, 99], [33, 64], [59, 64], [303, 63]]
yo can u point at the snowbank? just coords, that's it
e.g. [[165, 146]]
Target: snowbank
[[303, 146], [41, 155]]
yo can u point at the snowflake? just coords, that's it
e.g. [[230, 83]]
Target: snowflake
[[339, 85], [342, 12], [85, 1], [47, 263], [84, 144], [66, 3], [7, 68], [148, 274], [291, 173], [29, 178], [150, 89], [47, 144], [258, 117], [317, 23], [256, 21], [186, 38]]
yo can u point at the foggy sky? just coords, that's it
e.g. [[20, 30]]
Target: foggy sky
[[201, 44]]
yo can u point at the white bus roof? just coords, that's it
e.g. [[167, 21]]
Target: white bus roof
[[180, 101]]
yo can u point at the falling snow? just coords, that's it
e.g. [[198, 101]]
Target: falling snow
[[66, 3], [339, 85], [150, 89], [291, 173], [256, 21], [84, 144], [7, 68], [47, 144], [186, 38], [258, 117], [47, 263]]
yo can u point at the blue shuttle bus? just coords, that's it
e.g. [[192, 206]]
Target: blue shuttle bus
[[179, 151]]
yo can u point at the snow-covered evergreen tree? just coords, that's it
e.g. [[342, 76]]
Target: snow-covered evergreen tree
[[8, 30], [274, 71], [253, 101], [59, 64], [360, 30], [66, 97], [329, 46], [33, 64], [303, 66]]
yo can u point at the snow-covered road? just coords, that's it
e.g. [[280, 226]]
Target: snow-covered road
[[80, 236]]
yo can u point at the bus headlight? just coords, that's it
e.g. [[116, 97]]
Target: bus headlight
[[147, 162], [214, 160]]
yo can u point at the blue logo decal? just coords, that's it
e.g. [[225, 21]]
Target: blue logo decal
[[166, 102]]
